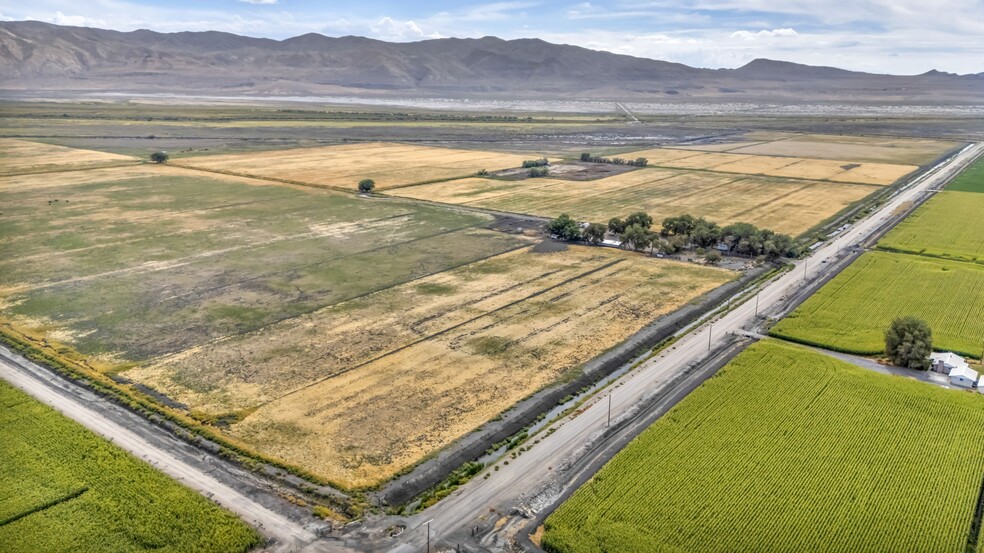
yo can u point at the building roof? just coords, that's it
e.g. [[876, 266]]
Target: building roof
[[964, 371], [948, 358]]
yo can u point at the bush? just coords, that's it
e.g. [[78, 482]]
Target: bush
[[537, 172], [367, 185], [159, 157]]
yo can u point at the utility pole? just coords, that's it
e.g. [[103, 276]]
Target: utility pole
[[609, 423], [428, 525], [757, 303], [710, 332], [806, 263]]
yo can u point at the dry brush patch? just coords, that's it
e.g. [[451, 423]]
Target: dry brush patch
[[343, 166], [784, 205], [362, 390], [22, 156]]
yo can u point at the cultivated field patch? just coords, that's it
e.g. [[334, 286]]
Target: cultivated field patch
[[949, 225], [344, 166], [363, 389], [62, 488], [22, 156], [777, 166], [858, 149], [784, 205], [789, 450], [132, 263], [852, 311]]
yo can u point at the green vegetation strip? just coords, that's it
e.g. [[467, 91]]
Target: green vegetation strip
[[99, 498], [789, 450], [948, 226], [852, 311]]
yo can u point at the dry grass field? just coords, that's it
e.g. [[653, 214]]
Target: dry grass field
[[776, 166], [858, 149], [855, 149], [346, 335], [362, 389], [344, 166], [134, 262], [21, 156], [784, 205]]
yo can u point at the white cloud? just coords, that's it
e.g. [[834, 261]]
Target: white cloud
[[265, 2], [75, 20], [748, 35], [390, 29]]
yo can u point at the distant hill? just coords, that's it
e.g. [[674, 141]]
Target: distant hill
[[41, 56]]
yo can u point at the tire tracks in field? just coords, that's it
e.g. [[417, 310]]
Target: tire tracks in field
[[447, 330]]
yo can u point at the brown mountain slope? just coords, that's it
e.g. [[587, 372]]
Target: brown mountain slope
[[40, 56]]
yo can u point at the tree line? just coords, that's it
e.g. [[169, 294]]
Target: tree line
[[637, 162], [677, 234]]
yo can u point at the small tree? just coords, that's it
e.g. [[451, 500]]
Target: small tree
[[366, 186], [616, 225], [564, 227], [159, 157], [640, 218], [909, 342], [537, 172], [585, 156], [637, 237], [712, 257], [595, 233]]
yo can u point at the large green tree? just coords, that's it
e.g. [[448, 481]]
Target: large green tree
[[564, 227], [595, 233], [909, 342]]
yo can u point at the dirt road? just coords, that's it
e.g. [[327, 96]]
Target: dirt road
[[491, 505], [155, 446]]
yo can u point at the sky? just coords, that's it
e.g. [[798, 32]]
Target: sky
[[882, 36]]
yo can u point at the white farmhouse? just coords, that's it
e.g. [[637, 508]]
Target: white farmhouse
[[945, 362], [965, 377]]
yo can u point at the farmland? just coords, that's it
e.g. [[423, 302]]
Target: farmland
[[949, 225], [467, 343], [784, 205], [852, 311], [881, 174], [311, 325], [20, 156], [857, 149], [135, 262], [66, 489], [789, 450], [343, 166]]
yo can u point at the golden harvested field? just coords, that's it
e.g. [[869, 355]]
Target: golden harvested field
[[858, 149], [784, 205], [360, 390], [776, 166], [344, 166], [21, 156]]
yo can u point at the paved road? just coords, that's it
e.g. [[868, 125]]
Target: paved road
[[285, 534], [483, 501]]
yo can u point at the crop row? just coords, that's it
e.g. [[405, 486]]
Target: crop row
[[66, 489], [852, 311], [789, 450]]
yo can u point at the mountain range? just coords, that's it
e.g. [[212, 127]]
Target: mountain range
[[36, 57]]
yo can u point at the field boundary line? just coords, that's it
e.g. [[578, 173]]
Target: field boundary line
[[369, 293], [44, 506], [450, 328], [133, 162]]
